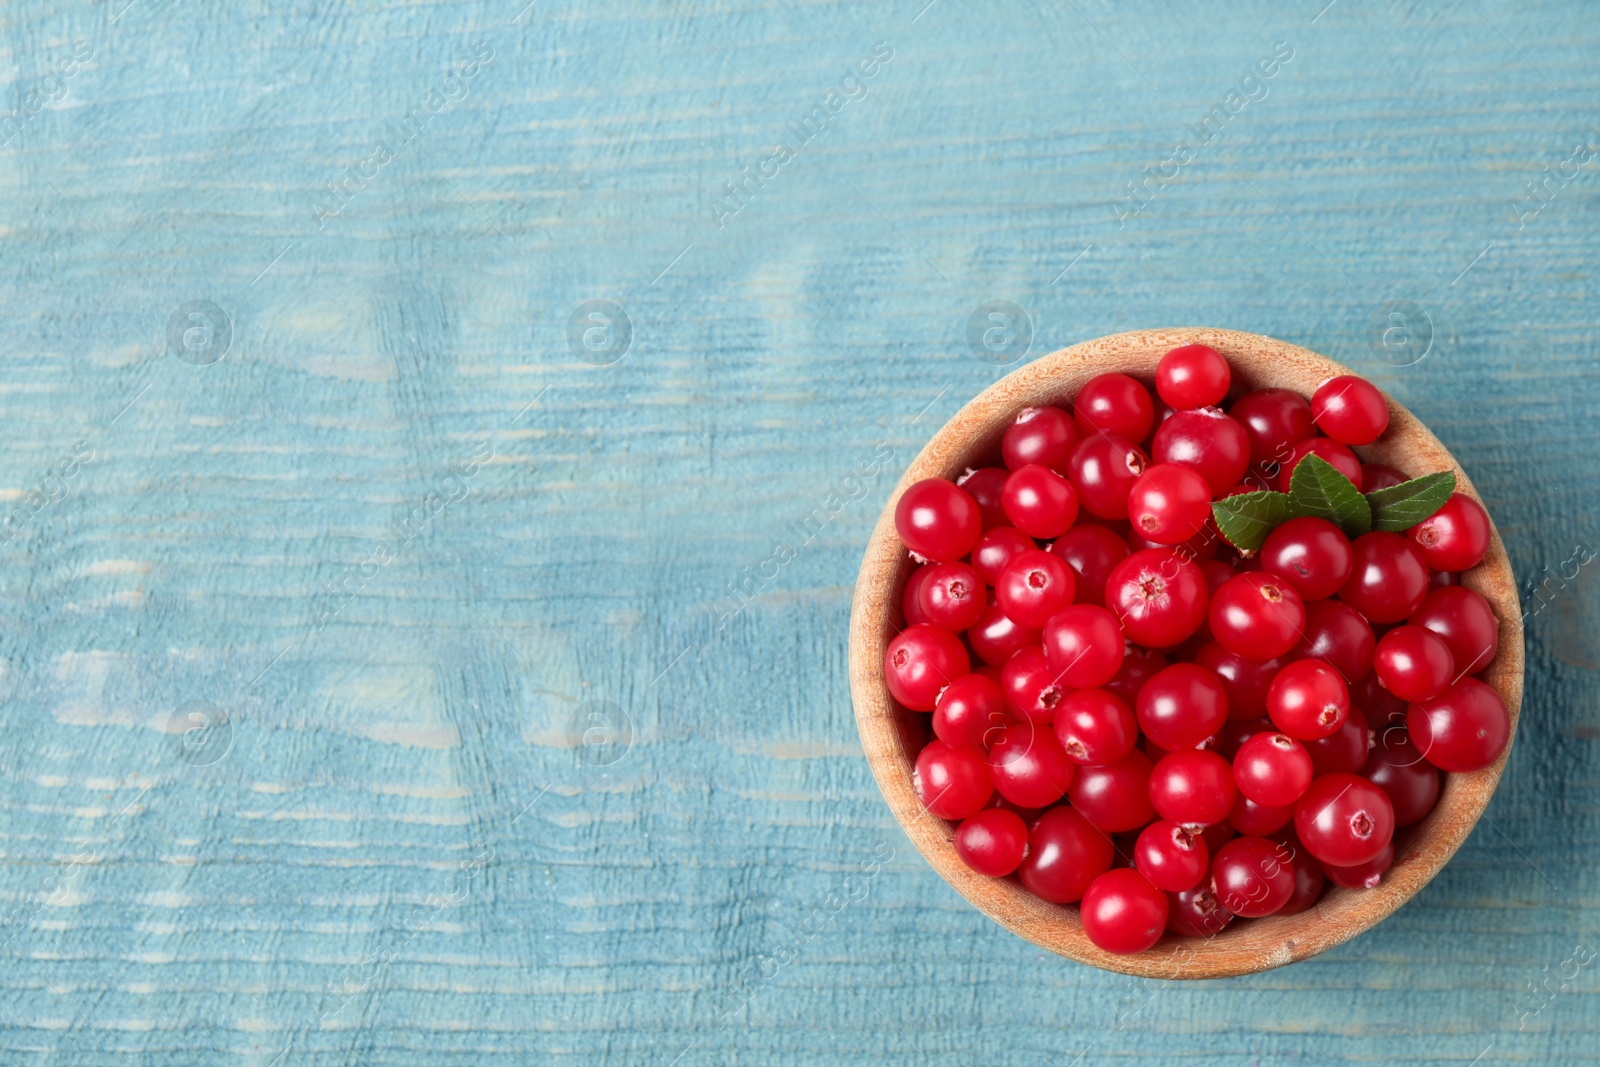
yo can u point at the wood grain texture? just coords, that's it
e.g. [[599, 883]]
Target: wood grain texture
[[590, 661]]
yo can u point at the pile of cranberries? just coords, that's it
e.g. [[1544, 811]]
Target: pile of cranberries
[[1129, 713]]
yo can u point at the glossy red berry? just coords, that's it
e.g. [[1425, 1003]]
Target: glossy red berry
[[1276, 420], [1159, 597], [1308, 700], [1414, 663], [996, 638], [920, 661], [938, 520], [1257, 615], [1084, 645], [1122, 912], [1039, 502], [1193, 376], [952, 596], [1065, 854], [1252, 877], [1350, 410], [1032, 587], [1258, 820], [1368, 875], [1311, 554], [1343, 460], [1181, 706], [1398, 768], [1095, 727], [984, 485], [1235, 732], [1196, 913], [1139, 665], [1308, 882], [1028, 765], [1203, 547], [1456, 536], [1338, 635], [910, 606], [1344, 750], [1465, 728], [1173, 858], [1192, 787], [1091, 550], [1208, 442], [1032, 687], [1043, 435], [1114, 797], [1344, 820], [969, 713], [952, 783], [1388, 577], [1375, 476], [997, 547], [1169, 503], [1113, 404], [1466, 622], [1244, 680], [1272, 769], [1103, 470], [992, 842]]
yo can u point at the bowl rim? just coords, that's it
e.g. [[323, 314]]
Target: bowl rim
[[1248, 948]]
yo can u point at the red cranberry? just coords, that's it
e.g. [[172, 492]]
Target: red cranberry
[[1340, 456], [1311, 554], [1103, 470], [1258, 820], [1308, 883], [1173, 858], [1276, 420], [937, 520], [1464, 728], [1244, 680], [952, 783], [1258, 615], [1159, 597], [1308, 700], [1192, 787], [1065, 854], [1214, 445], [1398, 768], [996, 548], [1091, 551], [1139, 665], [1366, 875], [1251, 877], [1028, 765], [1042, 435], [992, 842], [1350, 410], [1034, 586], [1095, 727], [1382, 707], [920, 661], [1032, 687], [1344, 820], [1388, 577], [1114, 797], [1414, 663], [1196, 913], [1193, 376], [1235, 732], [952, 596], [1169, 503], [1122, 912], [1439, 579], [1456, 536], [1375, 476], [968, 712], [996, 638], [1466, 622], [1113, 404], [1337, 634], [1182, 706], [1084, 645], [985, 485], [1272, 769], [910, 606], [1344, 750], [1202, 547], [1039, 502]]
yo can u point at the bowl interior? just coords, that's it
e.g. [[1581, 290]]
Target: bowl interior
[[892, 736]]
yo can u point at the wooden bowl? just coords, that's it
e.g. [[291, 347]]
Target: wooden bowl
[[888, 733]]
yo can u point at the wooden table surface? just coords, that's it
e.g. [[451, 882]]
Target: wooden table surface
[[404, 404]]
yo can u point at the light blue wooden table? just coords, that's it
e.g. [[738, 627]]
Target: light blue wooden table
[[395, 396]]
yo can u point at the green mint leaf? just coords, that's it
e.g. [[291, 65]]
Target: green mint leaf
[[1400, 507], [1317, 488], [1246, 519]]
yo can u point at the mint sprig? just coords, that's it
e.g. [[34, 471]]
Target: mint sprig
[[1400, 507], [1246, 519], [1318, 489]]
